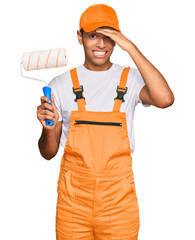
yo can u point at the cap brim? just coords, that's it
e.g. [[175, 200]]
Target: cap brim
[[94, 26]]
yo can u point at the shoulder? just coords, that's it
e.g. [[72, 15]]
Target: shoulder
[[135, 82], [134, 76], [118, 68], [62, 79], [133, 72]]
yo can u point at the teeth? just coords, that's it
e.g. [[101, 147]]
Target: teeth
[[99, 53]]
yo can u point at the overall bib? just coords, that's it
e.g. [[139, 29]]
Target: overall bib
[[96, 189]]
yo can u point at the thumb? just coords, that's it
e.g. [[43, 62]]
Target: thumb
[[52, 100]]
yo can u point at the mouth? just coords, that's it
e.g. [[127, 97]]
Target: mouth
[[100, 54]]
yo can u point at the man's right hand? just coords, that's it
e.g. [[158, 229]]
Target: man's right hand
[[46, 111], [50, 137]]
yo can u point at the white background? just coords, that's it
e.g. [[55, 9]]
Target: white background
[[164, 156]]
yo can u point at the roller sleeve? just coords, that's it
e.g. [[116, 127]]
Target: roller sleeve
[[44, 59]]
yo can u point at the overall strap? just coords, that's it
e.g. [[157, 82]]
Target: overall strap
[[78, 90], [121, 90]]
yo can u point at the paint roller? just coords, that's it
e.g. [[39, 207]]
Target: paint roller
[[36, 60]]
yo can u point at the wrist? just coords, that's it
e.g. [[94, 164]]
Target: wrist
[[131, 48], [49, 132]]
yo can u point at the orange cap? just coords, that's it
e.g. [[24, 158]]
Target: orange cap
[[99, 15]]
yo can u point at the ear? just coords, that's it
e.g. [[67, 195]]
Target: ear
[[80, 39]]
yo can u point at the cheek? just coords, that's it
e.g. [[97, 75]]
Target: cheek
[[110, 43], [111, 47], [87, 46]]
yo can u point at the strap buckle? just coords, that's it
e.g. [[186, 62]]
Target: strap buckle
[[120, 94], [78, 93]]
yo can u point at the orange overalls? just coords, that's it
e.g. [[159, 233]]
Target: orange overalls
[[96, 189]]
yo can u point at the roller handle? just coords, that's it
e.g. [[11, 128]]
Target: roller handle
[[47, 93]]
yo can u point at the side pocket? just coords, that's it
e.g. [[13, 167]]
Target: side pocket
[[129, 180], [62, 177]]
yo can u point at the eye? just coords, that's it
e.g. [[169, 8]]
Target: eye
[[92, 35], [107, 37]]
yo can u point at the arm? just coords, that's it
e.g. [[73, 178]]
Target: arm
[[156, 92], [50, 138], [49, 141]]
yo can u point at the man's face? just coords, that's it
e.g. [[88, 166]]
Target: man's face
[[98, 47]]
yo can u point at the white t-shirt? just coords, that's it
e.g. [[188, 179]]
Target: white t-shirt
[[99, 92]]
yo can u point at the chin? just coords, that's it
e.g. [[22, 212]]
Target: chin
[[100, 61]]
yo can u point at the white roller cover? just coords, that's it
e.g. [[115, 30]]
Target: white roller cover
[[51, 58]]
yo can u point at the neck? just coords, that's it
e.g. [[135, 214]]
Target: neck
[[94, 67]]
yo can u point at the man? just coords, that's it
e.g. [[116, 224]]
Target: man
[[96, 191]]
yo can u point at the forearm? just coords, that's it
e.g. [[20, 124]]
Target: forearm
[[156, 83], [48, 145]]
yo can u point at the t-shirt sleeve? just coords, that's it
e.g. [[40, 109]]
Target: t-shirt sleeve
[[53, 85], [139, 84]]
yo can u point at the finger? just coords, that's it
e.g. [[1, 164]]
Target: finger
[[43, 122], [54, 106], [46, 116], [47, 106], [42, 119], [104, 30], [52, 100], [45, 112], [45, 99], [105, 33], [39, 107]]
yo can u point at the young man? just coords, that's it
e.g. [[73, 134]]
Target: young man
[[96, 190]]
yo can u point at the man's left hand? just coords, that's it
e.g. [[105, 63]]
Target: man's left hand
[[116, 36]]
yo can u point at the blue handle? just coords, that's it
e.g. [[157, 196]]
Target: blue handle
[[47, 93]]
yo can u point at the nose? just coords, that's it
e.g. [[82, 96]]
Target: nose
[[100, 42]]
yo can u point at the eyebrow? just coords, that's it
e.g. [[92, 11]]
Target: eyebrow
[[92, 32]]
